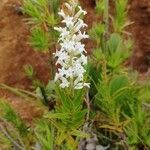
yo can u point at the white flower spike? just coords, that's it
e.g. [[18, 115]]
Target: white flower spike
[[71, 56]]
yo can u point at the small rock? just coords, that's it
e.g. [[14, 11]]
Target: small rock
[[92, 140], [18, 9], [100, 147], [90, 147]]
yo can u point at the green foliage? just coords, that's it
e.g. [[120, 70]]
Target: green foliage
[[42, 15], [4, 142], [45, 134], [118, 49], [138, 131], [118, 98], [120, 20], [39, 39], [36, 83], [44, 93], [47, 94], [113, 96], [29, 71], [10, 115], [39, 11], [144, 94], [10, 136], [54, 5], [100, 6], [68, 117], [96, 33], [13, 131]]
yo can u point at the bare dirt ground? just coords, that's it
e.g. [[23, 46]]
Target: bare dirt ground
[[140, 14], [15, 52]]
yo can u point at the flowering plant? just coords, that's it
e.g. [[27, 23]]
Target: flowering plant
[[69, 114], [71, 56]]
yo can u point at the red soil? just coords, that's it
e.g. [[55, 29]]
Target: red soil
[[14, 50], [14, 54], [140, 14]]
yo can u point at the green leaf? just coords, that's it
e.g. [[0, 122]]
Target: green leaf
[[120, 19], [80, 134], [51, 20], [96, 32], [144, 94], [45, 134], [119, 50], [78, 100], [54, 4], [67, 103], [61, 137], [39, 40], [29, 71], [10, 115], [57, 116], [78, 117], [118, 82], [100, 6], [114, 42]]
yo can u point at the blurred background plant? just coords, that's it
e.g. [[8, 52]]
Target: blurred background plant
[[115, 92], [42, 16], [13, 130]]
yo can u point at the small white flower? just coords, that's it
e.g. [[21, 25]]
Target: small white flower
[[63, 32], [82, 35], [68, 21], [87, 85], [83, 59], [80, 12], [80, 24], [71, 56], [62, 57], [65, 83], [69, 6], [79, 48], [78, 86], [61, 13], [69, 45]]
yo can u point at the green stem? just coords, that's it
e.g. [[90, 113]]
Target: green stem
[[14, 90], [106, 18], [19, 92], [106, 21], [10, 138]]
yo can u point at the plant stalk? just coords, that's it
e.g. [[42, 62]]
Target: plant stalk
[[106, 18], [10, 138]]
